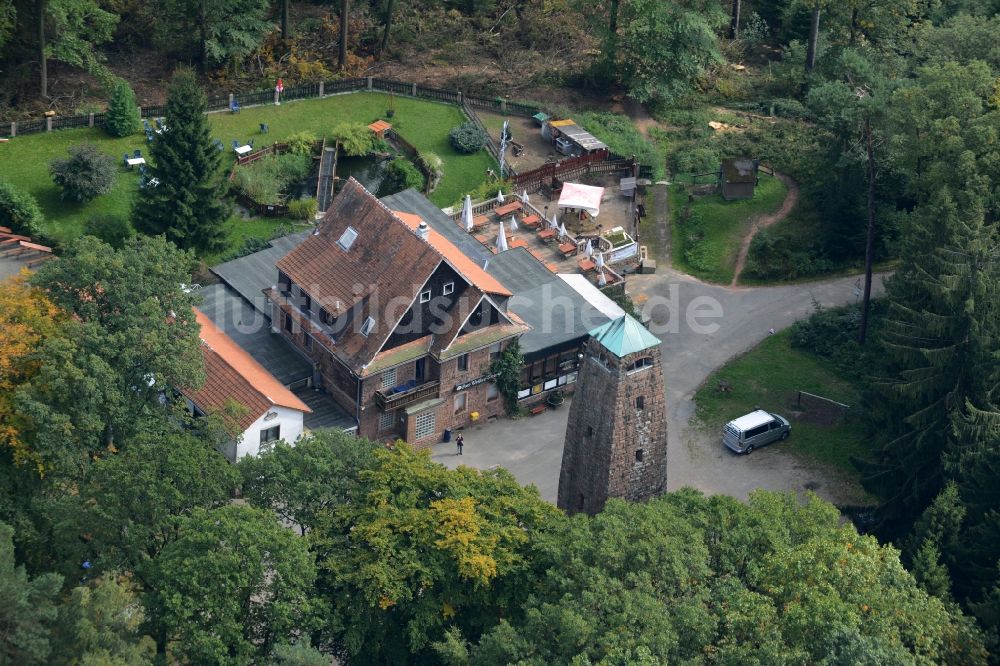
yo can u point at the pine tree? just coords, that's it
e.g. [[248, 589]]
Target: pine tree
[[187, 205], [941, 342], [122, 118]]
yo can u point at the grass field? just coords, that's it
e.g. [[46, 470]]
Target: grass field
[[708, 249], [24, 161], [768, 376]]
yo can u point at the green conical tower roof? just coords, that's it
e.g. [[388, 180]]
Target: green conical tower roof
[[624, 336]]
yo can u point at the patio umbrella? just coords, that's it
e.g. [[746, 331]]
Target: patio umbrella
[[601, 281], [501, 240], [467, 213], [554, 223], [562, 231], [599, 262], [589, 250], [524, 197], [500, 196], [513, 225]]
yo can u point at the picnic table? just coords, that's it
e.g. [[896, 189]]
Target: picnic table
[[547, 234], [507, 209], [537, 255], [482, 238], [586, 265], [480, 221], [568, 249], [518, 242], [135, 161], [532, 221], [242, 150]]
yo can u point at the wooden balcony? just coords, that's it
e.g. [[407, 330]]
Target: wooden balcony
[[390, 400]]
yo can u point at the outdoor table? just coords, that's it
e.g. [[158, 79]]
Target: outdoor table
[[480, 221], [482, 238], [531, 221], [518, 242], [243, 150], [586, 265], [547, 234], [135, 161], [507, 209], [568, 249]]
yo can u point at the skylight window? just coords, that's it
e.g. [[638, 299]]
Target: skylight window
[[366, 328], [347, 239]]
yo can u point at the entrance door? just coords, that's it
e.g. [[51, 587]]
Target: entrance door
[[419, 370]]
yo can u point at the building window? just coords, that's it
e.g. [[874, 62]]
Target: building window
[[425, 296], [590, 431], [494, 351], [270, 434], [448, 288], [284, 283], [640, 364], [492, 392], [389, 379], [386, 419], [640, 403], [347, 239], [463, 363], [366, 328], [424, 426], [286, 321], [308, 342], [461, 401], [638, 455]]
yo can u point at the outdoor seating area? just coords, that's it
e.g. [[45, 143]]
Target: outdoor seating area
[[242, 149], [159, 126]]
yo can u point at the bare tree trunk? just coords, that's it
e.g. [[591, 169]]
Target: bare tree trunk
[[387, 23], [345, 12], [284, 18], [870, 243], [43, 64], [734, 25], [813, 38]]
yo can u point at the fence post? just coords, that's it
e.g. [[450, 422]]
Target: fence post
[[413, 89], [13, 128], [321, 88], [460, 97], [369, 83], [230, 100], [503, 105], [48, 123], [90, 120]]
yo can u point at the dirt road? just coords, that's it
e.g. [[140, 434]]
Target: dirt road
[[764, 221]]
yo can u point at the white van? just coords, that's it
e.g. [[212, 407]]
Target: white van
[[754, 430]]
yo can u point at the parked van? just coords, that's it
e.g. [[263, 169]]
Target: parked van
[[754, 430]]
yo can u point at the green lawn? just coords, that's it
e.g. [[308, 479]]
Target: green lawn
[[24, 160], [768, 376], [708, 249]]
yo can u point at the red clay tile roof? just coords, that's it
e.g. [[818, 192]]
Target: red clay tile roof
[[379, 126], [232, 374], [465, 267]]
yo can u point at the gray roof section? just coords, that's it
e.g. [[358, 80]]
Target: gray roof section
[[556, 312], [252, 274], [325, 412], [581, 137], [251, 331]]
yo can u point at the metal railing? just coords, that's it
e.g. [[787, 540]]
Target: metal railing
[[388, 401]]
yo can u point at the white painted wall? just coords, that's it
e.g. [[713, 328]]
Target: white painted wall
[[290, 421]]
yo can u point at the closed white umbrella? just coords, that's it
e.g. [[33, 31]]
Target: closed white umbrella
[[589, 250], [524, 197], [500, 196], [599, 262], [501, 240], [467, 213], [601, 281], [553, 223], [513, 224], [562, 231]]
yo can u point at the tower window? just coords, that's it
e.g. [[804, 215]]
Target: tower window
[[638, 455], [640, 403], [640, 364]]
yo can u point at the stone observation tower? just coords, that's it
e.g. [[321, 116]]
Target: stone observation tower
[[616, 438]]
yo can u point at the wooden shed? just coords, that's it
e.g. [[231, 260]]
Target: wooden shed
[[380, 127], [738, 178]]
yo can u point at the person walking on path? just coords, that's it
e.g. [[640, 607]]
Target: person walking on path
[[459, 442]]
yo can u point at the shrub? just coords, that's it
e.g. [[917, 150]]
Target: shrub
[[301, 143], [112, 229], [303, 209], [355, 139], [85, 174], [122, 118], [703, 159], [467, 138], [401, 175], [19, 211], [266, 180], [435, 167]]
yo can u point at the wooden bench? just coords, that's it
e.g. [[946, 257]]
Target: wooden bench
[[538, 409]]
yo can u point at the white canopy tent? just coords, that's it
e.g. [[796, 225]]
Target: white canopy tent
[[586, 197]]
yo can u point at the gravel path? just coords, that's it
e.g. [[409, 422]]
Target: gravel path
[[764, 221]]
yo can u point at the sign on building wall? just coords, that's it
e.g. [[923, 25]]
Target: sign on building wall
[[475, 382]]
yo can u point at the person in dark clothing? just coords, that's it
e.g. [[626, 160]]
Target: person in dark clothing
[[459, 442]]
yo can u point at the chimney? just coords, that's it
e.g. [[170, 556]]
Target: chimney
[[423, 230]]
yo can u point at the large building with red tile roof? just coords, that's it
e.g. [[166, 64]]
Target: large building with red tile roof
[[244, 394], [401, 325]]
